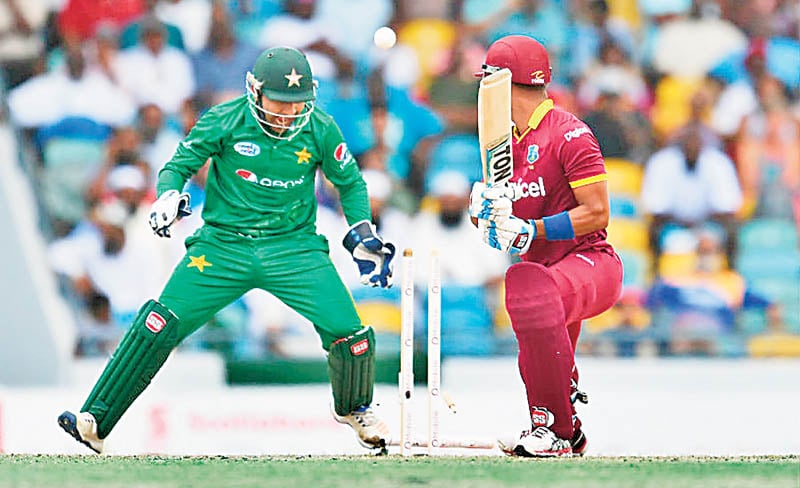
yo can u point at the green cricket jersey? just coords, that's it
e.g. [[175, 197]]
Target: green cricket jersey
[[260, 184]]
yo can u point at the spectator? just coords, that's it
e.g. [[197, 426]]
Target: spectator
[[546, 20], [449, 230], [453, 94], [158, 138], [470, 292], [192, 17], [132, 33], [631, 320], [250, 15], [594, 29], [21, 27], [768, 154], [613, 71], [154, 72], [688, 47], [121, 150], [80, 19], [694, 311], [699, 107], [98, 334], [98, 258], [299, 27], [221, 66], [620, 131], [689, 184], [77, 90], [738, 99]]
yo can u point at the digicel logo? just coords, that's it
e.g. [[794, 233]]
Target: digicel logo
[[247, 175]]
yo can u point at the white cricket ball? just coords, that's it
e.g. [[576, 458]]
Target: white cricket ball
[[384, 37]]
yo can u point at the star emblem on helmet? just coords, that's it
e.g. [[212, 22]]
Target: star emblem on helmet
[[294, 78]]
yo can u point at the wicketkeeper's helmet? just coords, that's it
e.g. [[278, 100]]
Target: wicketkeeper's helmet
[[283, 75], [524, 56]]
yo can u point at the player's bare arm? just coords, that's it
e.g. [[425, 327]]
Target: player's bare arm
[[590, 215]]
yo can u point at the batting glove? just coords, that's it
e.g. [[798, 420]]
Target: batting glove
[[512, 235], [169, 207], [372, 256], [490, 202]]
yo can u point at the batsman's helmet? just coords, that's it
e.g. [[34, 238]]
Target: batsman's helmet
[[524, 56], [283, 75]]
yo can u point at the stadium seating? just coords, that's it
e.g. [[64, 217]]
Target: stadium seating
[[431, 40]]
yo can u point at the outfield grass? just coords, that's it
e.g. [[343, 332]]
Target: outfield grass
[[24, 471]]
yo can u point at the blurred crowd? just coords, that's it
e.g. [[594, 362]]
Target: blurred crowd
[[695, 104]]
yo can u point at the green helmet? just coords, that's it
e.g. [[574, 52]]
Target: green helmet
[[283, 75]]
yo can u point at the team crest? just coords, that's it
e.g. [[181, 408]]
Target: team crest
[[533, 154], [250, 149], [294, 79]]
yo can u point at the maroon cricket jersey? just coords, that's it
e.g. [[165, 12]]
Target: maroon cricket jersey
[[554, 154]]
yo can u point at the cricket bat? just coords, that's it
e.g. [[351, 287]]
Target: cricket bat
[[494, 127]]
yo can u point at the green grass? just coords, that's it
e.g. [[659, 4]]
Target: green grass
[[25, 471]]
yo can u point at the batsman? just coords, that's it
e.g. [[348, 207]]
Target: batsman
[[552, 212], [259, 232]]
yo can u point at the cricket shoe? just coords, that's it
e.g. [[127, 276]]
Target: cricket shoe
[[371, 430], [83, 427], [539, 442]]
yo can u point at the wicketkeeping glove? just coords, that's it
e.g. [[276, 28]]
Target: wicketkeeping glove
[[371, 254], [169, 207], [490, 202], [512, 235]]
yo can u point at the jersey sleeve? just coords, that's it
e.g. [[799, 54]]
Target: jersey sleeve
[[581, 157], [202, 142], [341, 169]]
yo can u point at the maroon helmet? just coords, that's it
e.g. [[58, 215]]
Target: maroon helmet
[[524, 56]]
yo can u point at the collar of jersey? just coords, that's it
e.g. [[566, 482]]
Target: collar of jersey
[[536, 118]]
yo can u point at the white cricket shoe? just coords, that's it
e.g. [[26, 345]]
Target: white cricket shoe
[[83, 427], [371, 430], [539, 442]]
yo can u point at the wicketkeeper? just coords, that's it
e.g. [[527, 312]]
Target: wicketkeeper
[[259, 232]]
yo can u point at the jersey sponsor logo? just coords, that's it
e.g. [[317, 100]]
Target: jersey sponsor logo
[[342, 154], [154, 322], [247, 175], [269, 182], [245, 148], [533, 154], [528, 189], [576, 132], [360, 347]]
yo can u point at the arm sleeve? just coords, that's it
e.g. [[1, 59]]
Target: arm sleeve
[[340, 167], [203, 141]]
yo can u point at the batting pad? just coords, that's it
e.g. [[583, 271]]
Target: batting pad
[[351, 367], [138, 357]]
